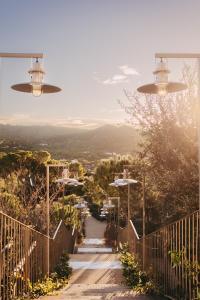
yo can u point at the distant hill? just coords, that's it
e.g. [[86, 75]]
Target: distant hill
[[66, 142]]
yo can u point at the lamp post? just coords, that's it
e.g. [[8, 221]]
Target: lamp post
[[65, 181], [118, 208], [35, 86], [48, 209], [125, 182], [108, 206], [162, 86]]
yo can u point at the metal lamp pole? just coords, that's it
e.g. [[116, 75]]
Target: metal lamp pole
[[123, 182], [143, 223], [118, 208], [48, 213], [128, 211]]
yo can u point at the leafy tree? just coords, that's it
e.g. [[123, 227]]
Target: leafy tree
[[168, 127]]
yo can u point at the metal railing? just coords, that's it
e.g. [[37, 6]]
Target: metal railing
[[63, 240], [180, 280], [23, 255]]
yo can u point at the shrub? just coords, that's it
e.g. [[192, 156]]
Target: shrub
[[56, 280], [138, 280], [191, 269], [63, 269]]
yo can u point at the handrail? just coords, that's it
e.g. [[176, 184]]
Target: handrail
[[23, 252], [22, 224], [134, 229], [153, 252], [162, 227], [57, 229], [173, 223]]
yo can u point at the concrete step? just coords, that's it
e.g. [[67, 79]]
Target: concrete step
[[94, 250], [96, 265], [99, 242], [97, 291]]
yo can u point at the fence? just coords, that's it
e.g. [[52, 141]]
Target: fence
[[23, 255], [178, 281]]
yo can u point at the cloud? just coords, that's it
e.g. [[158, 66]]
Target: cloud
[[115, 79], [118, 78], [28, 120], [128, 70]]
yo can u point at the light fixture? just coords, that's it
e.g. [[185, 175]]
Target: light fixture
[[36, 85], [162, 86]]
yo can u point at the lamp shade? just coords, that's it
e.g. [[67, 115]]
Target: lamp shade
[[162, 86], [28, 88], [171, 87], [36, 85]]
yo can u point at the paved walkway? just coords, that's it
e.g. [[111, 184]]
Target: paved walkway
[[97, 273]]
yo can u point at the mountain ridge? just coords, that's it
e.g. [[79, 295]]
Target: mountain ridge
[[70, 142]]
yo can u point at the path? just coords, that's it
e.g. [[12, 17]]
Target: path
[[97, 273]]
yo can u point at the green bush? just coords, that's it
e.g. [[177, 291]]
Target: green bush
[[191, 269], [95, 211], [62, 269], [46, 286], [138, 280], [56, 280]]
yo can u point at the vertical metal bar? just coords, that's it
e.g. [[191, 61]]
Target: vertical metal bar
[[128, 236], [182, 260], [198, 243], [198, 123], [1, 260], [186, 242], [47, 217], [179, 249], [189, 254], [143, 223], [11, 259]]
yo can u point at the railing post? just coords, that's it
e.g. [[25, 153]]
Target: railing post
[[47, 218], [143, 225]]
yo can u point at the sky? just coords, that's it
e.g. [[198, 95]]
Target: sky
[[93, 50]]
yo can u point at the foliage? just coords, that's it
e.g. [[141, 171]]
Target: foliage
[[69, 200], [62, 269], [169, 145], [44, 287], [23, 188], [67, 213], [94, 192], [11, 204], [76, 168], [138, 280], [192, 268], [56, 280], [95, 211], [105, 173]]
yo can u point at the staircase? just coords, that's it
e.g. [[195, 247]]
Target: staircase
[[97, 271], [94, 245]]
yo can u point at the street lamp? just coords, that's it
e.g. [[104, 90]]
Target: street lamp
[[35, 86], [65, 181], [125, 182], [118, 208], [162, 86], [173, 87]]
